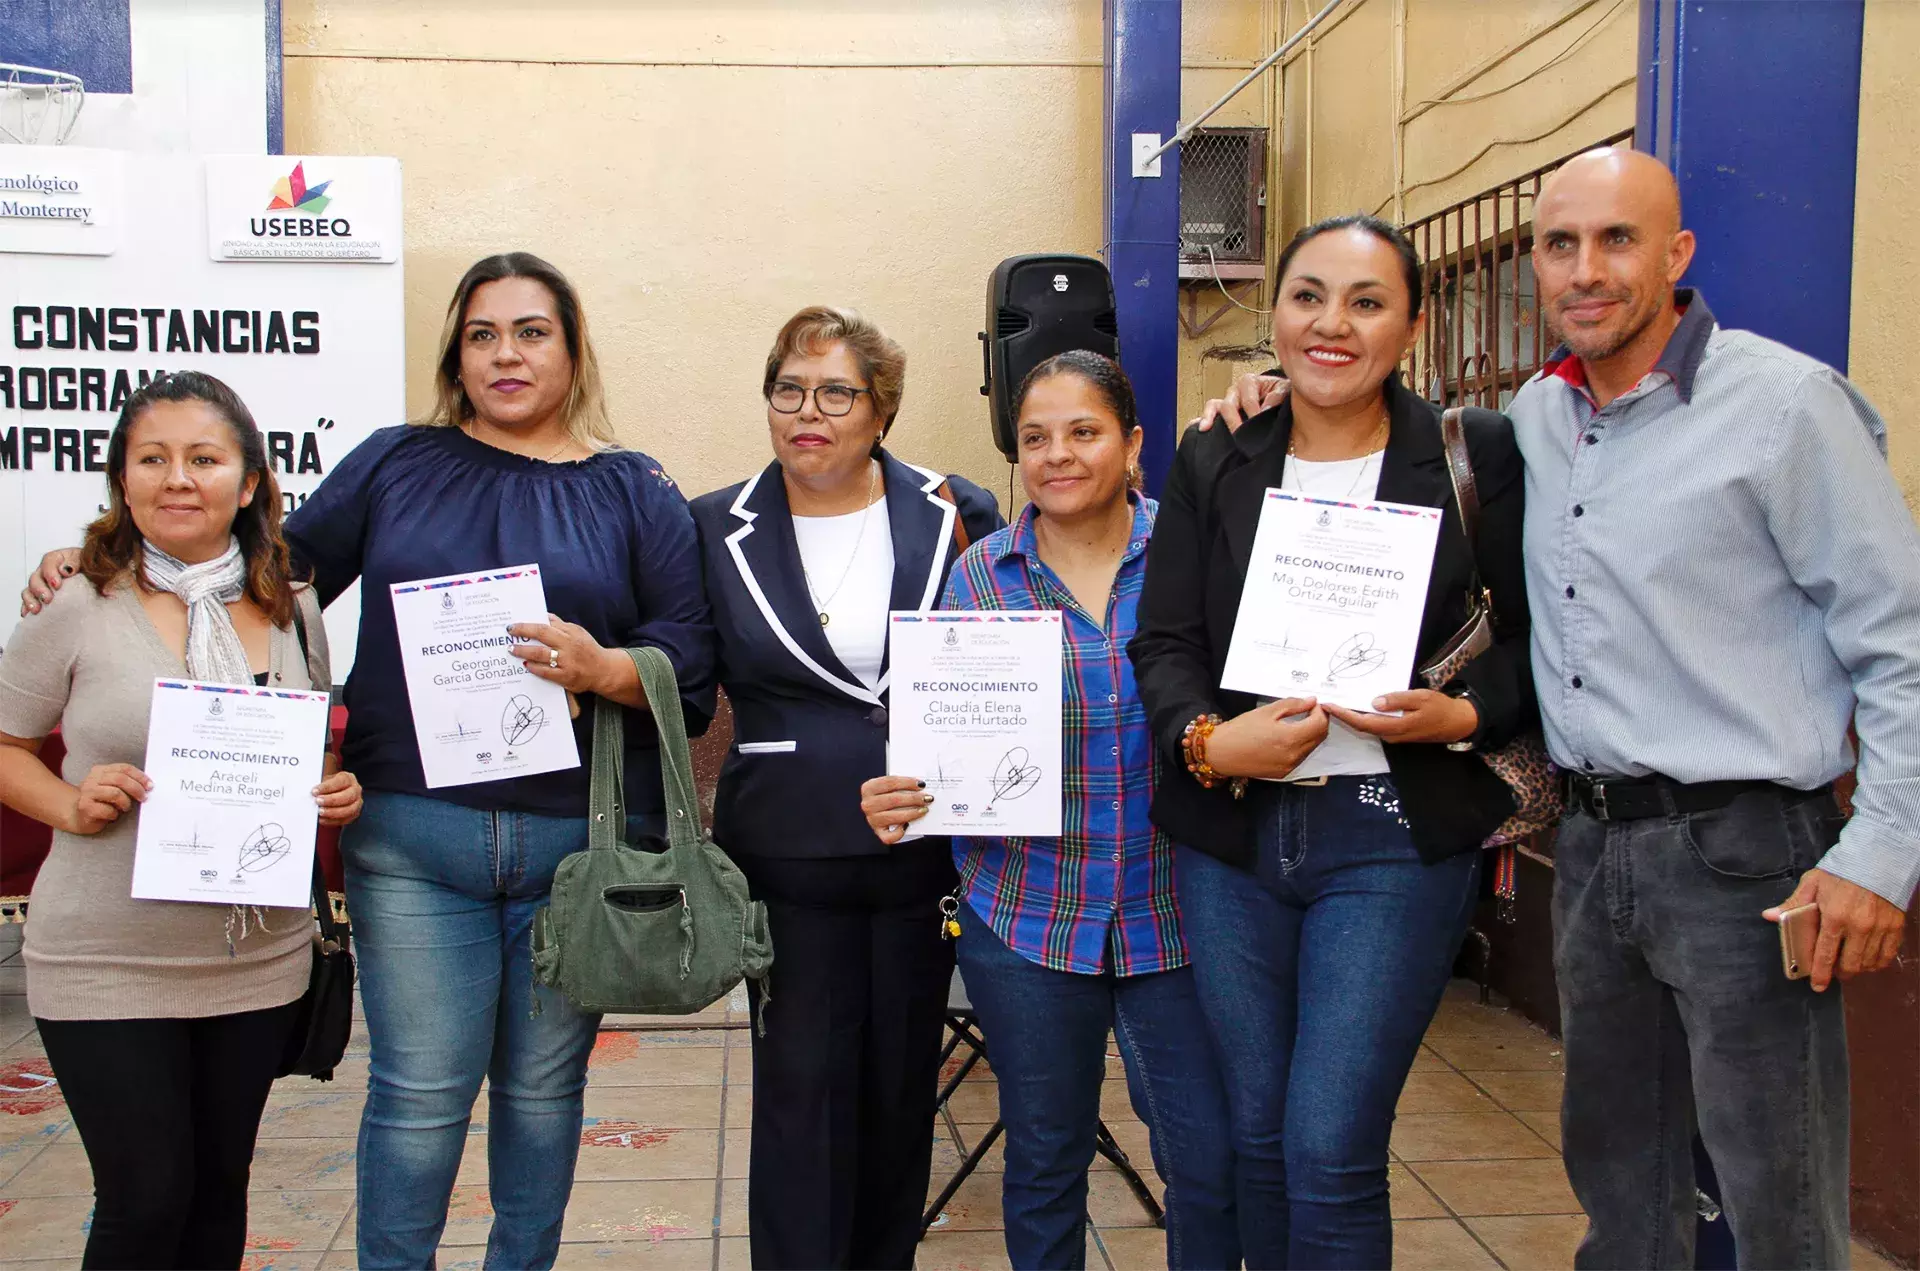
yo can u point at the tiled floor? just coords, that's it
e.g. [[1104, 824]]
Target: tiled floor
[[1477, 1180]]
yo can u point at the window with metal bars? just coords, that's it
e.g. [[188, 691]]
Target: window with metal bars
[[1484, 336]]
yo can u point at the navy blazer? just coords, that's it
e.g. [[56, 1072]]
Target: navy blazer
[[806, 731]]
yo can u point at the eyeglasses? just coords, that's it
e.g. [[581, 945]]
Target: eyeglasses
[[830, 399]]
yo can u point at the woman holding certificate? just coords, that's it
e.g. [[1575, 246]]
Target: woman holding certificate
[[517, 466], [803, 563], [1064, 939], [1329, 843], [164, 1021]]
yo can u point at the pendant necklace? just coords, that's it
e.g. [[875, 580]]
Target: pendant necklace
[[866, 514], [1292, 469]]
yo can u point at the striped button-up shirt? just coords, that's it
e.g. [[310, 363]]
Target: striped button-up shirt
[[1722, 574], [1099, 897]]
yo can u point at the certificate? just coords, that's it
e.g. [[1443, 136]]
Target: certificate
[[1333, 600], [231, 818], [976, 715], [478, 713]]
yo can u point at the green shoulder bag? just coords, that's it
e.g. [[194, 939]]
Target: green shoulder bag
[[641, 930]]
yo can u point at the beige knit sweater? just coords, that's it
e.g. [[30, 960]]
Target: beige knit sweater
[[87, 663]]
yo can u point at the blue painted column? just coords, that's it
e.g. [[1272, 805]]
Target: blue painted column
[[1143, 214], [1755, 105]]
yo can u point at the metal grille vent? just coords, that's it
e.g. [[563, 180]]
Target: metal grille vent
[[1223, 195], [1008, 322]]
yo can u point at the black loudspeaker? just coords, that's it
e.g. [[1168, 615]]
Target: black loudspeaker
[[1038, 306]]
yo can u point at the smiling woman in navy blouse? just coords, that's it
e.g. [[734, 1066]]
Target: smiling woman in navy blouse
[[517, 465]]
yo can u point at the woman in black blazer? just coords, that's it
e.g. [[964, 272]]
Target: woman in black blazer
[[1328, 861], [803, 561]]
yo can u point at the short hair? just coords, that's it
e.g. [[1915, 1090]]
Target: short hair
[[1102, 373], [113, 543], [817, 328], [1385, 231], [585, 410]]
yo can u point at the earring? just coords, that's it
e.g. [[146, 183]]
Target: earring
[[1135, 477]]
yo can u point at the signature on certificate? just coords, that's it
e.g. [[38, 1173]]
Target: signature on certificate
[[521, 721], [1013, 776], [1356, 656], [264, 848]]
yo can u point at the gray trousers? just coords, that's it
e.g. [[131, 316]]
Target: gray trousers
[[1677, 1015]]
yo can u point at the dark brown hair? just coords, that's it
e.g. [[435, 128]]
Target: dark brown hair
[[1385, 231], [1104, 376], [113, 544], [585, 410]]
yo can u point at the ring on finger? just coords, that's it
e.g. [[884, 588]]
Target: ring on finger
[[553, 659]]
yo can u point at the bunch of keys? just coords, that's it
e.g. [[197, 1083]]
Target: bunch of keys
[[949, 918]]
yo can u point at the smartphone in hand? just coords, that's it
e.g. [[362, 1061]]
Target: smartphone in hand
[[1799, 931]]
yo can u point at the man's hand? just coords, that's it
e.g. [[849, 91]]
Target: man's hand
[[1859, 931], [1250, 395], [55, 568]]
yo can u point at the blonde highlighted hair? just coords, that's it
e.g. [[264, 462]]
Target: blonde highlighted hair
[[585, 411], [817, 328]]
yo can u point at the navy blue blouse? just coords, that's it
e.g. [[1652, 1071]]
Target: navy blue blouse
[[617, 553]]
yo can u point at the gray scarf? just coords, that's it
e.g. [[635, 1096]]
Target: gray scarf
[[214, 651]]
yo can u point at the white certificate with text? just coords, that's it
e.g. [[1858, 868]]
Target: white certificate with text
[[1333, 599], [231, 818], [478, 713], [975, 713]]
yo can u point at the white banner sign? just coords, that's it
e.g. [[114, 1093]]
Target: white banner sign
[[60, 200], [315, 349]]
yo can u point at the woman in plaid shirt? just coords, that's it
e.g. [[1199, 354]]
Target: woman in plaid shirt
[[1063, 939]]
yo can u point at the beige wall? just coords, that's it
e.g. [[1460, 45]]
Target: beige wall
[[1886, 256], [1402, 107], [703, 169]]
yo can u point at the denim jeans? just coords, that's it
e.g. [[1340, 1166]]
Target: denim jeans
[[1677, 1014], [443, 899], [1319, 971], [1046, 1034]]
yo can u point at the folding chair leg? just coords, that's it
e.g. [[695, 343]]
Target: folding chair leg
[[967, 1167], [1105, 1144]]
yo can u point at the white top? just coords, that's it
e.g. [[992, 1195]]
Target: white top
[[849, 564], [1346, 752]]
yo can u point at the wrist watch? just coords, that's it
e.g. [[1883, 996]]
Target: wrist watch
[[1472, 741]]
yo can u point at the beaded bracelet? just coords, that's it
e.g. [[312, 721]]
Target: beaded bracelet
[[1193, 746]]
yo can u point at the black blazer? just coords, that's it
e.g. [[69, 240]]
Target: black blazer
[[806, 731], [1197, 565]]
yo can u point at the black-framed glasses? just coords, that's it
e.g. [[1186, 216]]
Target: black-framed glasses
[[829, 399]]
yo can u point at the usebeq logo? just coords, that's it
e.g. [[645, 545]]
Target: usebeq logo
[[292, 191], [292, 194]]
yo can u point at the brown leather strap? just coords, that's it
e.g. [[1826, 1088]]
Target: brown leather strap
[[1466, 495], [960, 536]]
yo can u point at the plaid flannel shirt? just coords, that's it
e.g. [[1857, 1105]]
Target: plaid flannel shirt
[[1099, 897]]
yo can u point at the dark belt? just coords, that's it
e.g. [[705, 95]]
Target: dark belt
[[1635, 798]]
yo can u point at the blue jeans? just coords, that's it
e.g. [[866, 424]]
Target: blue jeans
[[443, 899], [1319, 971], [1677, 1016], [1046, 1037]]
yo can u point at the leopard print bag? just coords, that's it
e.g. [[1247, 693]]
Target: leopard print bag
[[1539, 795]]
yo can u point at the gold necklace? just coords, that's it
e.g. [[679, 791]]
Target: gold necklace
[[474, 432], [866, 513], [1379, 434]]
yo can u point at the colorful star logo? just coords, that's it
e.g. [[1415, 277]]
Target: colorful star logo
[[293, 192]]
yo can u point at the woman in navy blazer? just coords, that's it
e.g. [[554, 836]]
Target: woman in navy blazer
[[803, 561]]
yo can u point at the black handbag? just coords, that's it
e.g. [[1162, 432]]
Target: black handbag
[[323, 1017]]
